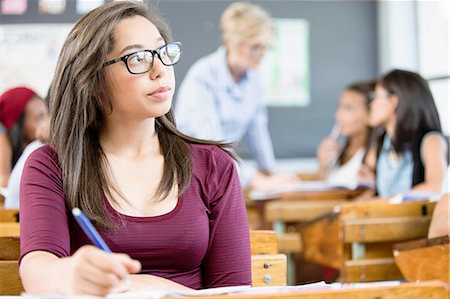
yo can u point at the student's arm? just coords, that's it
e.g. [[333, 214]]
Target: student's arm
[[227, 261], [259, 142], [327, 154], [434, 158], [440, 223], [45, 261], [89, 271], [196, 113], [5, 157]]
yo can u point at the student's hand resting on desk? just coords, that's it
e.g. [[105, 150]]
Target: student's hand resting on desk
[[366, 176], [267, 182]]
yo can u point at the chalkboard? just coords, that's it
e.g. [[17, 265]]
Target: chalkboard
[[343, 41]]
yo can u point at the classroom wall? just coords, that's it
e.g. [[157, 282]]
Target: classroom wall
[[343, 41]]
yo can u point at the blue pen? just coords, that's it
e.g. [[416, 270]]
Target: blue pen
[[90, 230]]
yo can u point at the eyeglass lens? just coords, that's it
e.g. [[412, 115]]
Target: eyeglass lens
[[142, 61]]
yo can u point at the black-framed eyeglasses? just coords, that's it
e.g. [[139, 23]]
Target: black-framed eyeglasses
[[140, 62]]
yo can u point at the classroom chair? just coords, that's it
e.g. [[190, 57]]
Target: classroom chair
[[358, 238], [424, 259]]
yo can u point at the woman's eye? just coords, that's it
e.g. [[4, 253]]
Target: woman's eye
[[136, 58]]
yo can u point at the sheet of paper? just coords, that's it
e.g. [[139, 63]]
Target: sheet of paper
[[154, 294]]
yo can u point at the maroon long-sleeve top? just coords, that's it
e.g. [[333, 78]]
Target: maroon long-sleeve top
[[203, 242]]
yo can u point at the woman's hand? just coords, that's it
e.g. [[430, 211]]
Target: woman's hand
[[327, 153], [366, 176], [93, 271]]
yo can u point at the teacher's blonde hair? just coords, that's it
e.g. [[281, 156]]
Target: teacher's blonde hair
[[243, 20]]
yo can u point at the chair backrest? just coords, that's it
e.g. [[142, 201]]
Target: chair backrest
[[9, 215], [413, 259], [358, 240]]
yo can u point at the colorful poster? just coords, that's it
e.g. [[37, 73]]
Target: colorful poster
[[29, 54], [285, 69], [84, 6], [54, 7], [13, 7]]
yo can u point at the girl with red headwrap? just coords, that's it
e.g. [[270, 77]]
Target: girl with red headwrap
[[21, 112]]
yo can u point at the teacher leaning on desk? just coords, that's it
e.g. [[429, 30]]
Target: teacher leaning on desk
[[170, 204], [222, 98]]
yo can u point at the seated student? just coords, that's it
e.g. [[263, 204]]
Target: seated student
[[170, 207], [13, 190], [340, 163], [21, 112], [5, 156], [412, 152]]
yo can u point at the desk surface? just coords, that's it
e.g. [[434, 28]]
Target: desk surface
[[428, 290]]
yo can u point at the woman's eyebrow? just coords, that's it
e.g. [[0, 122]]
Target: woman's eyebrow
[[135, 46], [139, 46]]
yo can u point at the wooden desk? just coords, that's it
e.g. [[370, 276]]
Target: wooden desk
[[428, 290], [9, 229]]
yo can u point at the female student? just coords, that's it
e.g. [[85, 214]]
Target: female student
[[170, 207], [21, 113], [340, 163], [412, 152]]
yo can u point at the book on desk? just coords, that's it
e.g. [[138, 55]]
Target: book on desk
[[306, 186]]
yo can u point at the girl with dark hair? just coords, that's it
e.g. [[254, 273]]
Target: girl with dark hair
[[170, 207], [21, 113], [340, 163], [412, 152]]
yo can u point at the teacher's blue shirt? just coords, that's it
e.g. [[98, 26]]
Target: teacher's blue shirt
[[211, 105]]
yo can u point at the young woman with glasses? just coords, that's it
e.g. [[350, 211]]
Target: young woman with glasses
[[170, 207], [412, 151]]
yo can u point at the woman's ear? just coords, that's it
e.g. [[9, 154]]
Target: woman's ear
[[393, 99]]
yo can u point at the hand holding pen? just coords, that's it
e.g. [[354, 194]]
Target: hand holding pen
[[98, 271]]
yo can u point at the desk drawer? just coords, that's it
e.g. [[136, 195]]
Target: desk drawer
[[269, 270]]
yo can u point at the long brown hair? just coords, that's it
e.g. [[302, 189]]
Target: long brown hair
[[79, 102]]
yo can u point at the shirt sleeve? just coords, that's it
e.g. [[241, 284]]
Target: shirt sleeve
[[227, 261], [195, 109], [43, 215], [259, 142]]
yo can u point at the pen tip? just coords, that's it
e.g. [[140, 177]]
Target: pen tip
[[76, 211]]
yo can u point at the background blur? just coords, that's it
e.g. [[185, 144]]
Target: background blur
[[347, 41]]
